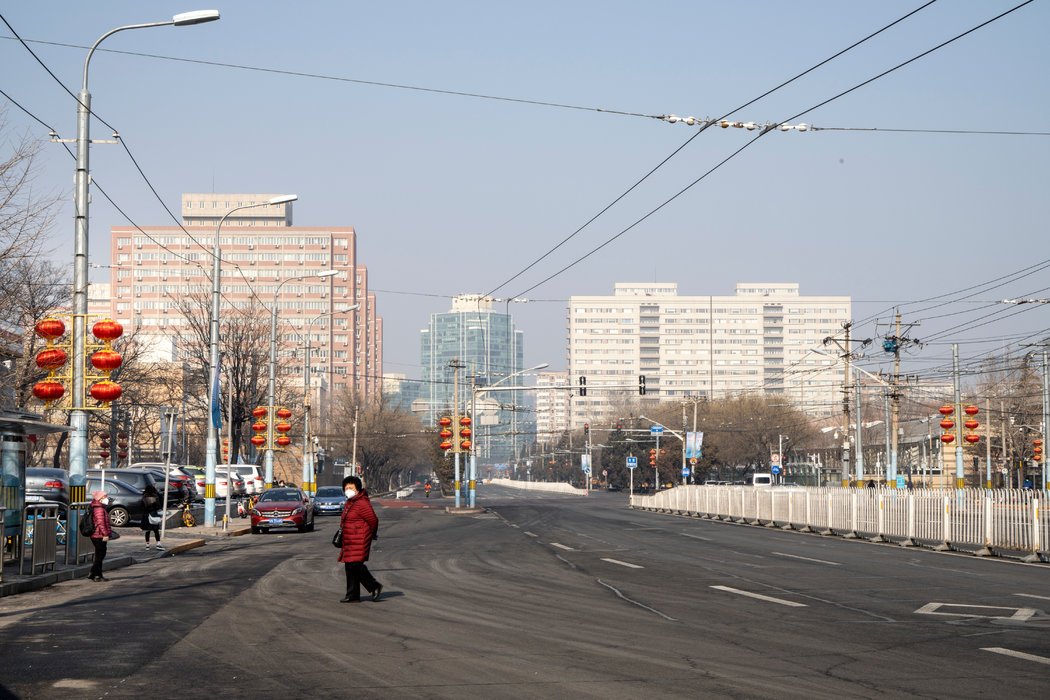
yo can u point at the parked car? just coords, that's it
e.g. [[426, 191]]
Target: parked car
[[229, 472], [329, 500], [282, 507], [47, 484], [137, 478], [221, 482], [253, 477], [180, 486], [125, 501]]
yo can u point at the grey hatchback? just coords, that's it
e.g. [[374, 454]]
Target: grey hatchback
[[47, 484]]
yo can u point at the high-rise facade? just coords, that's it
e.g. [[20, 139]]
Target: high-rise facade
[[153, 266], [488, 349], [552, 406], [760, 340]]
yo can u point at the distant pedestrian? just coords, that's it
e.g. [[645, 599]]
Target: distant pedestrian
[[872, 484], [100, 515], [359, 526], [151, 514], [1027, 484]]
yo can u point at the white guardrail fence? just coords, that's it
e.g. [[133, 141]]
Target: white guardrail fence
[[982, 521]]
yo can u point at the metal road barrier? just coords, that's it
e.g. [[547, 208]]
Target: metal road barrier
[[82, 547], [556, 487], [39, 527], [989, 521]]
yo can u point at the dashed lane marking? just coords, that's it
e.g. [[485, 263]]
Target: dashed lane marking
[[759, 596], [562, 546], [531, 534], [818, 561], [1018, 614], [695, 537], [1032, 595], [1018, 655], [623, 563]]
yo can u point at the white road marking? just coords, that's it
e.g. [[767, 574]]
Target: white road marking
[[1019, 614], [623, 563], [695, 537], [1032, 595], [795, 556], [770, 599], [531, 534], [1018, 655], [562, 546]]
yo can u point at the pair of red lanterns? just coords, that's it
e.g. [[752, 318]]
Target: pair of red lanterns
[[54, 357], [260, 426], [446, 434], [971, 424]]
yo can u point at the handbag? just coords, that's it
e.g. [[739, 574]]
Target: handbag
[[337, 538], [114, 535], [155, 518]]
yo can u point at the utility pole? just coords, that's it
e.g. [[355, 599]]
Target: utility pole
[[1046, 415], [893, 344], [960, 480], [845, 350], [860, 429], [456, 365]]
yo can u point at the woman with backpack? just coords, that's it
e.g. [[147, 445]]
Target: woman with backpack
[[99, 515], [151, 514]]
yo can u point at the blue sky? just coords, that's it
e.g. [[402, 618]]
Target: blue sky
[[452, 194]]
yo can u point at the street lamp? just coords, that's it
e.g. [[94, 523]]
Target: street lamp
[[271, 387], [474, 389], [212, 445], [308, 462], [78, 419]]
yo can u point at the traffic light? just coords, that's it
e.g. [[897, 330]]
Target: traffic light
[[641, 385], [583, 386], [586, 432]]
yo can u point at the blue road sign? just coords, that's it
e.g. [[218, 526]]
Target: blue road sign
[[775, 469], [632, 462], [685, 471], [656, 429], [901, 483]]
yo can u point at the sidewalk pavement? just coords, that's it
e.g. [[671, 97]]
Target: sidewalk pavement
[[129, 549]]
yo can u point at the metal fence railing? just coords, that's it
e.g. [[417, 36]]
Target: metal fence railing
[[986, 521]]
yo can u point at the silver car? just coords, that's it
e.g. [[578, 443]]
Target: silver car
[[47, 484]]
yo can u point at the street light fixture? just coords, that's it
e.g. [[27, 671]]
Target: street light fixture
[[271, 387], [308, 461], [78, 419], [212, 445]]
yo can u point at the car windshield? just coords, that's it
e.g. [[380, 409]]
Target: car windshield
[[280, 495], [329, 492]]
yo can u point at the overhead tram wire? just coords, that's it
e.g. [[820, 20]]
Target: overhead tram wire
[[690, 140], [765, 131]]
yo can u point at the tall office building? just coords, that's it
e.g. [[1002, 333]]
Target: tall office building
[[261, 249], [488, 349], [760, 340], [552, 406]]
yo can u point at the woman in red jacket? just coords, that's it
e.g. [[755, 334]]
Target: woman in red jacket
[[98, 512], [359, 525]]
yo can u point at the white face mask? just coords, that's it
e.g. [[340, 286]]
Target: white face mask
[[350, 493]]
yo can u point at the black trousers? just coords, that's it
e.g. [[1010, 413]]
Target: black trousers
[[357, 575], [155, 531], [100, 555]]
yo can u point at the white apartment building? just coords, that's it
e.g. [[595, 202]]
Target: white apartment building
[[552, 406], [759, 340]]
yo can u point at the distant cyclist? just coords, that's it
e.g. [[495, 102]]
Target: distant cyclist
[[427, 488]]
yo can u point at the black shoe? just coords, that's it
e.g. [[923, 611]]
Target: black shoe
[[348, 599], [377, 592], [101, 578]]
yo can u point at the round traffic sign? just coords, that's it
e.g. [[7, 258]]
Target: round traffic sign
[[775, 469], [774, 458], [692, 460]]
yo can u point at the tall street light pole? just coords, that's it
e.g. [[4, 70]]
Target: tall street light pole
[[308, 456], [78, 418], [271, 386], [212, 445]]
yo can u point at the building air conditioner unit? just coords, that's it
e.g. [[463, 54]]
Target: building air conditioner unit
[[251, 246], [324, 295], [138, 245]]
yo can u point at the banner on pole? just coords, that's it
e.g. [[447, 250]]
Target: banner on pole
[[694, 445]]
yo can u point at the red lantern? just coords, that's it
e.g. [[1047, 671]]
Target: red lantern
[[972, 438], [971, 410], [947, 438], [122, 436], [106, 391], [1037, 452], [283, 427], [946, 410], [445, 434], [284, 441], [107, 330], [284, 413], [259, 427], [51, 359], [48, 390], [465, 420], [104, 454], [122, 455], [972, 424], [106, 360], [444, 421], [258, 440], [464, 432], [50, 328], [259, 412], [1037, 442], [947, 424], [465, 444], [445, 445], [122, 444]]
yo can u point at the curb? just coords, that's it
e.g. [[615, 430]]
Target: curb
[[183, 547], [463, 510]]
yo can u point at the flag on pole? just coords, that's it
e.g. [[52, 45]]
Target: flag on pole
[[216, 403]]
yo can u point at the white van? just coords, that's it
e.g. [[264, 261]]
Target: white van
[[760, 479]]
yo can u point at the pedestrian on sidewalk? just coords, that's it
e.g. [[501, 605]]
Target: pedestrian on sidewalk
[[359, 526], [102, 533], [151, 514]]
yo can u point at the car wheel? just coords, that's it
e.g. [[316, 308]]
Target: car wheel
[[255, 531], [310, 527], [119, 516]]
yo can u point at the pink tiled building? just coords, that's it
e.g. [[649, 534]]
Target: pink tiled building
[[261, 249]]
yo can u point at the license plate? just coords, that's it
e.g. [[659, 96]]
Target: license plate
[[276, 521], [33, 499]]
